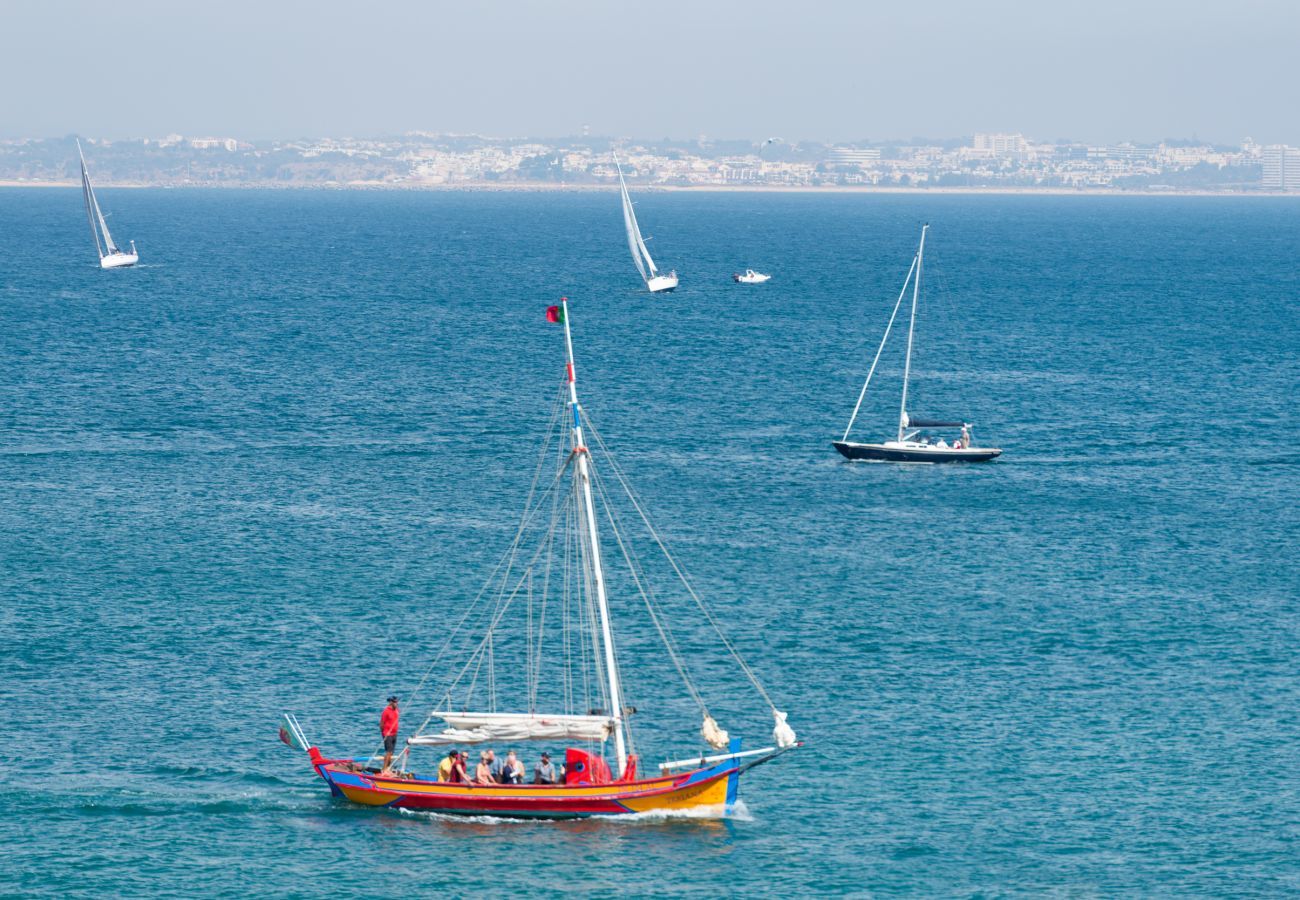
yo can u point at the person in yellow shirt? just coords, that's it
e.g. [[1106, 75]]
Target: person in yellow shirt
[[444, 767]]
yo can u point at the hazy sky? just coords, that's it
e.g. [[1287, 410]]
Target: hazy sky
[[800, 69]]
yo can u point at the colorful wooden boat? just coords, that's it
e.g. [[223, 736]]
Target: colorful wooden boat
[[711, 789], [587, 707]]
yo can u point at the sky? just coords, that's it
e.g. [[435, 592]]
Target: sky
[[1100, 72]]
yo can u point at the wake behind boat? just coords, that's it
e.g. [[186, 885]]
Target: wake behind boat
[[544, 618], [110, 256], [912, 443], [654, 282]]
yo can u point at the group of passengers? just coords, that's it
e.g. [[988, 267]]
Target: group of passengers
[[490, 770]]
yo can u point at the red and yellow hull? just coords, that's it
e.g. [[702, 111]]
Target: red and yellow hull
[[701, 790]]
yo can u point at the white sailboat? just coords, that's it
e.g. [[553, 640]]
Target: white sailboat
[[911, 444], [654, 282], [110, 255]]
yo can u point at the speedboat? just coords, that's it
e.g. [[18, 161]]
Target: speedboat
[[751, 277]]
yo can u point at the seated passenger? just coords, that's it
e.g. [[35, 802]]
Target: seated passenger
[[544, 772], [496, 767], [513, 770], [458, 775], [444, 767], [483, 773]]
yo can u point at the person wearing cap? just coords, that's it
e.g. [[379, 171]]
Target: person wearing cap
[[388, 730], [544, 771]]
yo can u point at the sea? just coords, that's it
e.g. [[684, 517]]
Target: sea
[[266, 469]]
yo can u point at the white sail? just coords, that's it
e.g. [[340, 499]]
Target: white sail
[[93, 212], [88, 197], [103, 226], [635, 243], [479, 728]]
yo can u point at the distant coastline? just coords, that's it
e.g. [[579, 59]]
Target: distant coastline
[[552, 187]]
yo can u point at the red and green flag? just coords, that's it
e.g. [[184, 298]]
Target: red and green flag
[[555, 314]]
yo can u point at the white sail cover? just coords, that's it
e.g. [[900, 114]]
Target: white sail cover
[[635, 243], [479, 728]]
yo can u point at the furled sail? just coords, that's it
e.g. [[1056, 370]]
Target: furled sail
[[478, 728], [913, 422]]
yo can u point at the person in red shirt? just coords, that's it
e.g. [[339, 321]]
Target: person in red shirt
[[388, 729]]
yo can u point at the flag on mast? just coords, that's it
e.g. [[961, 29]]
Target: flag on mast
[[291, 735], [555, 314]]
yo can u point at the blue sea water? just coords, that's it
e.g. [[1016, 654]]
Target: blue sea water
[[264, 469]]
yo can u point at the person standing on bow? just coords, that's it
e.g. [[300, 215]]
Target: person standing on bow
[[388, 730]]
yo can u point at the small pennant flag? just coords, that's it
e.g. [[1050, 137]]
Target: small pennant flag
[[289, 735], [555, 314]]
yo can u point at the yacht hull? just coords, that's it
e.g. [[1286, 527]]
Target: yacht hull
[[661, 284], [887, 453], [118, 260]]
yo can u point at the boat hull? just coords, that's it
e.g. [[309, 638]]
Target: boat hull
[[889, 453], [711, 789], [118, 260], [751, 279], [661, 284]]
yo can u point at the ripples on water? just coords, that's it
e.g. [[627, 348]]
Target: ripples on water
[[251, 480]]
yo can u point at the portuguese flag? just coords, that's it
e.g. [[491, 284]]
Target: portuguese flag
[[555, 314]]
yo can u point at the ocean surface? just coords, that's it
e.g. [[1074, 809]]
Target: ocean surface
[[263, 470]]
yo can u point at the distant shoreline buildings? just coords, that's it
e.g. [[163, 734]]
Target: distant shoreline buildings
[[426, 160]]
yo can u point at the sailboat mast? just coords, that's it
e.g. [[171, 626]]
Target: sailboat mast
[[593, 537], [911, 328], [88, 195]]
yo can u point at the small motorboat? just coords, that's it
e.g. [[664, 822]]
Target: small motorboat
[[751, 277]]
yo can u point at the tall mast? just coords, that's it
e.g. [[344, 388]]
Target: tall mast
[[911, 327], [88, 194], [593, 537]]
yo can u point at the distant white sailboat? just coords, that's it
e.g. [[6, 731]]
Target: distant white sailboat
[[654, 282], [110, 256]]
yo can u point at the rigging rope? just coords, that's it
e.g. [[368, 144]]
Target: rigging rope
[[637, 572], [556, 411], [708, 615]]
